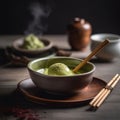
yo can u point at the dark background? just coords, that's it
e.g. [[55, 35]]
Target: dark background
[[53, 16]]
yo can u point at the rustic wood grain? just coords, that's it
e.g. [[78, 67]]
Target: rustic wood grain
[[9, 77]]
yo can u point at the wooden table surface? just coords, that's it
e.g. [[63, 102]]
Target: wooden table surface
[[10, 76]]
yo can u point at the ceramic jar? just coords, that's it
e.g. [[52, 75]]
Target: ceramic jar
[[79, 32]]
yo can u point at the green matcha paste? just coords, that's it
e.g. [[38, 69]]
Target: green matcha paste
[[31, 42], [58, 69]]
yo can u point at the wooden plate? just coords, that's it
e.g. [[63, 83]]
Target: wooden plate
[[28, 88]]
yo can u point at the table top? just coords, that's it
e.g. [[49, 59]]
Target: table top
[[11, 76]]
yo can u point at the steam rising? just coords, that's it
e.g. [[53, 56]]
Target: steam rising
[[38, 24]]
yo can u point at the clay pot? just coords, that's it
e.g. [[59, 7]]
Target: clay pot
[[79, 32]]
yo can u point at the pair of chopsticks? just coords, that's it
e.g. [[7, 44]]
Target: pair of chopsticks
[[103, 94]]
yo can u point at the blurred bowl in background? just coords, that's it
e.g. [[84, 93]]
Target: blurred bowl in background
[[19, 42], [109, 52]]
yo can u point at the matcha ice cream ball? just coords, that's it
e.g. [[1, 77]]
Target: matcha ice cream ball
[[32, 42], [59, 69]]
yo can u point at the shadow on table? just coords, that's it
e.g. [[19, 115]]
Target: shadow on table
[[18, 99]]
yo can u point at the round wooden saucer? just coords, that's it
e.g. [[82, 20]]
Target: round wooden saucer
[[28, 88]]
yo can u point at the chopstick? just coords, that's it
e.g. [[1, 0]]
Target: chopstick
[[103, 94], [94, 52]]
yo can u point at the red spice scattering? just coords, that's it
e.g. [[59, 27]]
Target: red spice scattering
[[24, 114]]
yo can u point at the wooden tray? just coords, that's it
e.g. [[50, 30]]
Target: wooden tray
[[35, 95]]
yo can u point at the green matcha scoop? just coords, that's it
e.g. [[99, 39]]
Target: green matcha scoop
[[32, 42], [59, 69]]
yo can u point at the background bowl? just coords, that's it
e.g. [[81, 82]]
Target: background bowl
[[60, 84], [19, 42], [109, 52]]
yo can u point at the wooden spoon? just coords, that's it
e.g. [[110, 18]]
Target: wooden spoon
[[94, 52]]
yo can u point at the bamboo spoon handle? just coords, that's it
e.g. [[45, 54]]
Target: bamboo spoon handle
[[97, 49]]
